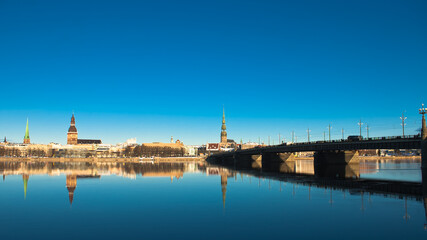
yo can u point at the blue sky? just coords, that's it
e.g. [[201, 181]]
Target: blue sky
[[152, 69]]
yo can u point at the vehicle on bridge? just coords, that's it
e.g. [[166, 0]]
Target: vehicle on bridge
[[354, 138]]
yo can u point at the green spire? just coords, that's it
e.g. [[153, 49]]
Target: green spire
[[27, 132]]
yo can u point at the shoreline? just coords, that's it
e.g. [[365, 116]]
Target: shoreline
[[371, 158], [95, 159], [175, 159]]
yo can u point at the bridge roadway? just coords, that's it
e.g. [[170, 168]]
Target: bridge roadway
[[412, 142], [326, 152]]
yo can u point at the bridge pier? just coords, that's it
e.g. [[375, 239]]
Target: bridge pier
[[223, 160], [248, 161], [335, 157], [424, 154], [424, 187], [337, 171], [278, 162]]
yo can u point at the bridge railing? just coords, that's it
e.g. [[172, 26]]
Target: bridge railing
[[333, 141], [346, 140]]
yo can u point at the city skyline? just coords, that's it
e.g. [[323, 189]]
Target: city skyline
[[412, 126], [152, 70]]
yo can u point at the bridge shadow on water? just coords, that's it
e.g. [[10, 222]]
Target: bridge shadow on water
[[344, 177]]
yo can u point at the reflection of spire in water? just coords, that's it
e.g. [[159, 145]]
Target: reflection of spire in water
[[363, 207], [223, 187], [25, 178], [406, 217], [71, 184]]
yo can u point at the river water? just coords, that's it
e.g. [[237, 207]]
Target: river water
[[46, 200]]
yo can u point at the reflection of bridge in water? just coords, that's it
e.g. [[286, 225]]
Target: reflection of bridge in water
[[87, 170], [336, 177]]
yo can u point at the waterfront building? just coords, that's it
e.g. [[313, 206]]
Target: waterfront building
[[27, 135], [176, 144], [72, 135], [249, 145], [191, 150]]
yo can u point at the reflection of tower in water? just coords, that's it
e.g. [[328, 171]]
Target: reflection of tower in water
[[71, 184], [25, 178], [223, 186]]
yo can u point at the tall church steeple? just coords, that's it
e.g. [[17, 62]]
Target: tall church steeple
[[223, 128], [27, 135], [72, 132]]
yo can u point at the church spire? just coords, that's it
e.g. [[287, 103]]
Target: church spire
[[223, 128], [27, 134], [223, 116]]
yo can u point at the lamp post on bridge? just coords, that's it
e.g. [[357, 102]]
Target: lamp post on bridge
[[360, 127], [329, 130], [308, 134], [367, 131], [403, 124], [293, 134], [423, 111], [342, 132]]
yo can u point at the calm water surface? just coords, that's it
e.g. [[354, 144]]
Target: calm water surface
[[197, 201]]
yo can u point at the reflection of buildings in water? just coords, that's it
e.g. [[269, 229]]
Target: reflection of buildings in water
[[369, 166], [71, 183], [129, 170], [74, 170], [224, 174], [304, 167], [212, 171]]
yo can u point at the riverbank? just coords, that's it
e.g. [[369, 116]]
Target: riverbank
[[94, 159], [373, 158]]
